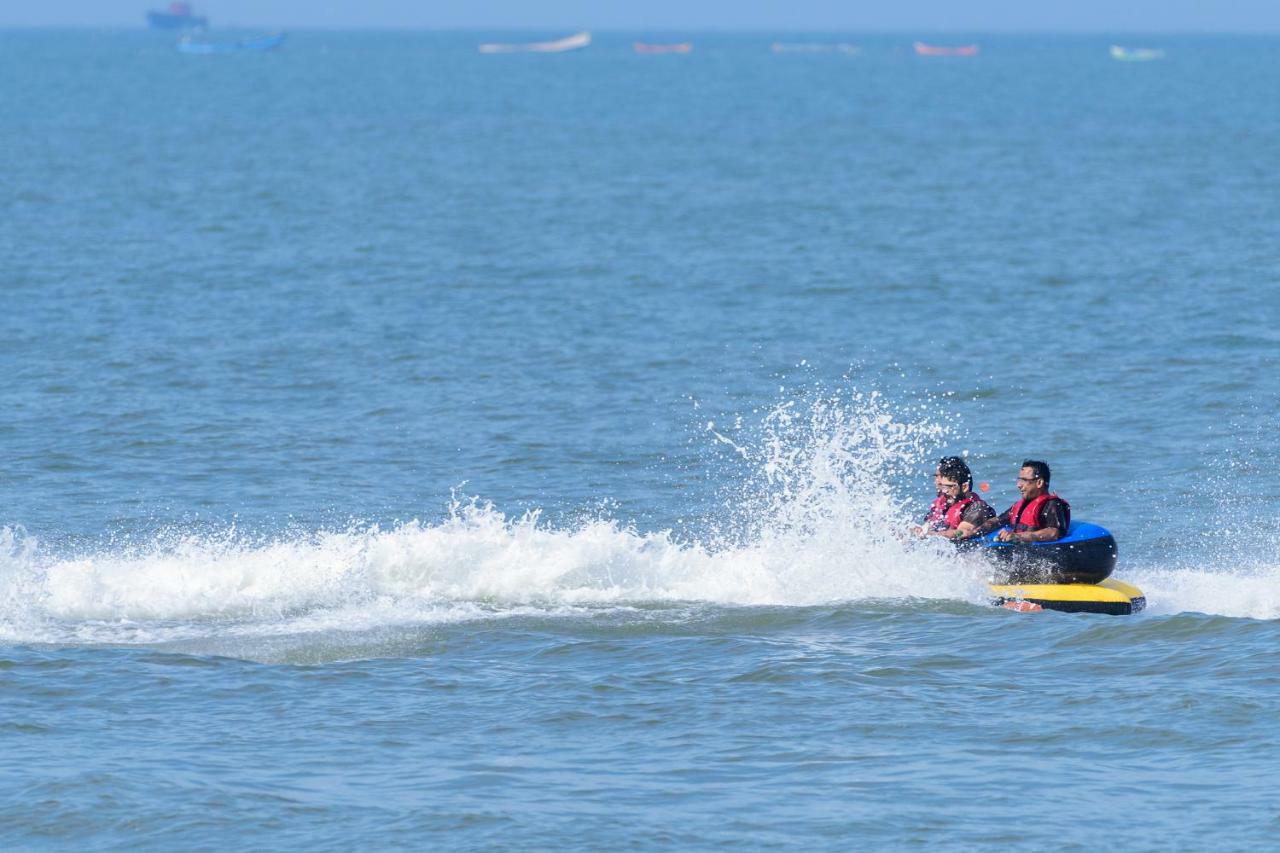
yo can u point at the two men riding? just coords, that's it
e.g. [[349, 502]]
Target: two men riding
[[958, 513]]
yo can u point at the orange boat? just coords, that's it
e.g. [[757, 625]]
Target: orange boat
[[680, 47], [940, 50]]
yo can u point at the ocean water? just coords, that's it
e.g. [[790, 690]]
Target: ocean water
[[404, 447]]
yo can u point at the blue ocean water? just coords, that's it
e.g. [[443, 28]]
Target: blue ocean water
[[408, 447]]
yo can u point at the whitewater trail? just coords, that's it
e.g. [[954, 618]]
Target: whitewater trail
[[816, 520]]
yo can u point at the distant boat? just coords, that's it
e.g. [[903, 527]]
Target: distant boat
[[177, 17], [923, 49], [680, 47], [577, 41], [187, 44], [1135, 54], [814, 47]]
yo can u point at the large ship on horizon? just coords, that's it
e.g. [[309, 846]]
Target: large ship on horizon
[[178, 16]]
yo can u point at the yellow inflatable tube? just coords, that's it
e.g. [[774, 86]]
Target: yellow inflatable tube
[[1108, 596]]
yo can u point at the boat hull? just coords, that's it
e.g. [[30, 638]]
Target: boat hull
[[574, 42], [682, 47], [923, 49], [205, 48], [170, 21], [1135, 54], [1111, 596]]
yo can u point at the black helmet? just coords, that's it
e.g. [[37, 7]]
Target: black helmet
[[956, 469]]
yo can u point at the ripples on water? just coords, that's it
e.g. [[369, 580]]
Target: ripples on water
[[526, 683], [885, 723]]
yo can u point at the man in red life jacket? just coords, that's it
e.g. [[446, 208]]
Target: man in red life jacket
[[957, 513], [1039, 516]]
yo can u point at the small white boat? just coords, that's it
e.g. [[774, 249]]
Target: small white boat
[[577, 41], [1135, 54], [814, 47]]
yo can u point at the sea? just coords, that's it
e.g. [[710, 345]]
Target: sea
[[408, 448]]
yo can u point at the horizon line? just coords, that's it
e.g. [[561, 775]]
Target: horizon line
[[539, 29]]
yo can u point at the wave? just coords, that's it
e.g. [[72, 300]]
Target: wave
[[1250, 590], [475, 564], [814, 518]]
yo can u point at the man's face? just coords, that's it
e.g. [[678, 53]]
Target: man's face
[[1029, 485], [949, 488], [937, 482]]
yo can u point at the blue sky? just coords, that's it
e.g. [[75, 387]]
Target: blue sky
[[1101, 16]]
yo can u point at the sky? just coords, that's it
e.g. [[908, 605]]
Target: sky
[[924, 16]]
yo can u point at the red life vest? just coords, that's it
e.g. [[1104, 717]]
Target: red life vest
[[1025, 515], [942, 517], [937, 510]]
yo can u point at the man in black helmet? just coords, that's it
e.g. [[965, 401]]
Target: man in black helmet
[[957, 513]]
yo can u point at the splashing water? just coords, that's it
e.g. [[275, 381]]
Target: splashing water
[[815, 515], [831, 465], [814, 518]]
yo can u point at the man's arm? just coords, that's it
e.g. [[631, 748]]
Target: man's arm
[[964, 530], [992, 523], [975, 516], [1044, 534]]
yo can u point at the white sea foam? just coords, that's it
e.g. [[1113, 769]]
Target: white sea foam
[[475, 564], [1251, 590], [813, 518]]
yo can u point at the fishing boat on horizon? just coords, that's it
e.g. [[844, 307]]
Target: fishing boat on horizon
[[814, 47], [1135, 54], [177, 16], [923, 49], [577, 41], [271, 41], [678, 47]]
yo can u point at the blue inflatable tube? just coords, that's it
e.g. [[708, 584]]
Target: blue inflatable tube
[[1087, 554]]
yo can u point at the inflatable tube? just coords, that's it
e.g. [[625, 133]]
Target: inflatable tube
[[1086, 555], [1111, 596]]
